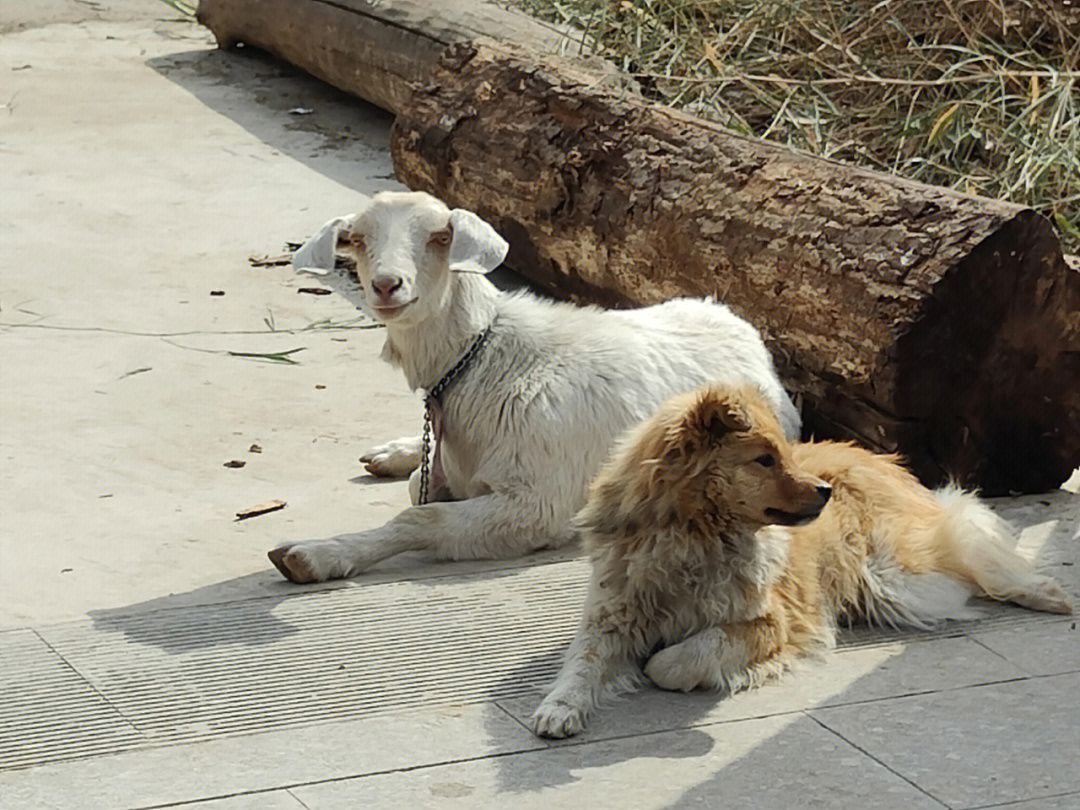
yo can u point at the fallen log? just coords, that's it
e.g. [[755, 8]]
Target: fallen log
[[371, 48], [910, 318]]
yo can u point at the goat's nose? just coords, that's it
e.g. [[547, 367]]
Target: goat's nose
[[384, 285]]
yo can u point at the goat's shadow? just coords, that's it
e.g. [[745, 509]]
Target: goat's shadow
[[241, 610], [235, 611]]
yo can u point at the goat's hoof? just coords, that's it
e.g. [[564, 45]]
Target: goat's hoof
[[292, 565], [394, 459]]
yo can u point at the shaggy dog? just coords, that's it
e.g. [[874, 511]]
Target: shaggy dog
[[721, 552]]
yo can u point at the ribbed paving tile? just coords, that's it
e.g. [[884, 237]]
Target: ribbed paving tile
[[329, 655], [115, 681], [47, 711]]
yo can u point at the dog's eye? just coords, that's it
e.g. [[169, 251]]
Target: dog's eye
[[442, 238], [765, 460]]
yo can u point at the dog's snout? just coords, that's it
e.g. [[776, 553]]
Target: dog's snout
[[824, 492], [385, 285]]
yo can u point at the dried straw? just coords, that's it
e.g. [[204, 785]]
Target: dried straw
[[978, 95]]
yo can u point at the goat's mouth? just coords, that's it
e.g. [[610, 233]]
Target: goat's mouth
[[387, 311], [800, 518]]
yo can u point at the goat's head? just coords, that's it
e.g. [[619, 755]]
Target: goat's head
[[405, 245]]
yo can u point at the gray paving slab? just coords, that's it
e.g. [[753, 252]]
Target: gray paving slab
[[227, 766], [1046, 648], [272, 800], [843, 677], [258, 664], [778, 762], [977, 746], [1069, 801]]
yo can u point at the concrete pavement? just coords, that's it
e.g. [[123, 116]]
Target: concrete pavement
[[149, 655]]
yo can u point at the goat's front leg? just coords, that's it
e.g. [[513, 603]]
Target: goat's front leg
[[493, 526], [595, 659], [723, 658], [394, 459]]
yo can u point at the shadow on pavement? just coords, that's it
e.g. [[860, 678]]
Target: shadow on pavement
[[275, 101], [235, 611]]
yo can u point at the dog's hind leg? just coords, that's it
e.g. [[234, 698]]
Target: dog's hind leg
[[597, 663], [977, 545]]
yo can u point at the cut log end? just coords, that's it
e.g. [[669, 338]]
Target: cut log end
[[989, 377]]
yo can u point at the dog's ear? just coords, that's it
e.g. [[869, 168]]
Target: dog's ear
[[475, 242], [317, 253], [714, 415]]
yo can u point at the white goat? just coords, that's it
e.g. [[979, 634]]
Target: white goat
[[528, 421]]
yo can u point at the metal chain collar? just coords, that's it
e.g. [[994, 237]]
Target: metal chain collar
[[433, 398]]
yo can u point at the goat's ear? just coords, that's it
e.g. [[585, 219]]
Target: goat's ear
[[318, 252], [475, 241]]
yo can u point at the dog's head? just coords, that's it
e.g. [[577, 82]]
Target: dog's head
[[715, 459], [404, 245]]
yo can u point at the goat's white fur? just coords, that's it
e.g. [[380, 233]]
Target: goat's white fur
[[530, 421]]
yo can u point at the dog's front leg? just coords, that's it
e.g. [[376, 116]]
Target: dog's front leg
[[492, 526], [594, 660], [715, 658]]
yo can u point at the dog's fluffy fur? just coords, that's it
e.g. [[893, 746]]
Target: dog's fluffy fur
[[721, 552]]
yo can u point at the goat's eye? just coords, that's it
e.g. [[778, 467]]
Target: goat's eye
[[442, 238], [765, 460], [351, 240]]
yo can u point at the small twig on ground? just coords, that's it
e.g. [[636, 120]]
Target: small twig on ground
[[260, 509]]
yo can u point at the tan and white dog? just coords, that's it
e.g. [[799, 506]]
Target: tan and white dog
[[721, 552]]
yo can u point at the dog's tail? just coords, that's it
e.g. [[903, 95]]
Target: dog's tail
[[964, 550], [977, 545]]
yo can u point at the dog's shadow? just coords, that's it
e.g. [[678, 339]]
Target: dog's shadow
[[619, 732]]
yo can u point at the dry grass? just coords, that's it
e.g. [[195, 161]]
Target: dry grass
[[978, 95]]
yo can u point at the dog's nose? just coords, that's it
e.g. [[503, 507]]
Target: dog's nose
[[385, 285], [824, 492]]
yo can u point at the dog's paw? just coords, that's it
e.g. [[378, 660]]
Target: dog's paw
[[304, 563], [673, 669], [557, 719], [394, 459]]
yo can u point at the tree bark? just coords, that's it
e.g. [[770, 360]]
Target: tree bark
[[910, 318]]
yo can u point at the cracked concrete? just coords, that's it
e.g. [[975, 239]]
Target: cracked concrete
[[150, 656]]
